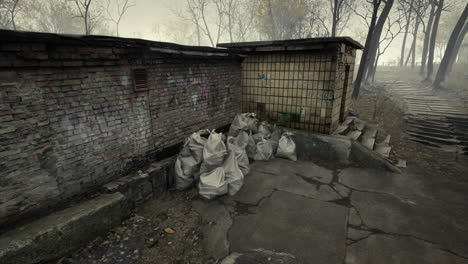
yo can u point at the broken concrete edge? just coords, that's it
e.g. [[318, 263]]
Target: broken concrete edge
[[58, 234], [338, 148], [145, 184], [363, 157]]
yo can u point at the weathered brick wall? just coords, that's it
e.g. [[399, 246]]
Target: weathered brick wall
[[72, 121]]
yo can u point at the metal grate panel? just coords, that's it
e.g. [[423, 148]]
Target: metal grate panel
[[140, 80]]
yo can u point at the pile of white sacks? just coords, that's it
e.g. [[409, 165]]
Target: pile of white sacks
[[219, 164]]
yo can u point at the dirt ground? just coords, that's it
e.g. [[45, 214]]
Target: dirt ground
[[387, 112], [166, 230]]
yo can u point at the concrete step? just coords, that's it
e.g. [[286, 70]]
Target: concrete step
[[383, 149], [368, 138], [53, 236], [354, 134]]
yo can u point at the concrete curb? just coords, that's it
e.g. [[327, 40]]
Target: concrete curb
[[338, 148], [53, 236]]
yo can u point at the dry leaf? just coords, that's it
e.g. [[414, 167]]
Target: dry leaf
[[169, 230]]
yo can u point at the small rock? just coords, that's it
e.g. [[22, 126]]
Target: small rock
[[151, 242]]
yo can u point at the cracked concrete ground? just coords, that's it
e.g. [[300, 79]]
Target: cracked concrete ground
[[340, 215]]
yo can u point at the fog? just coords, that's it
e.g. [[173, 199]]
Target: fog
[[172, 21]]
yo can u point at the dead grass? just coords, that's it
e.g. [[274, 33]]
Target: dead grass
[[387, 113]]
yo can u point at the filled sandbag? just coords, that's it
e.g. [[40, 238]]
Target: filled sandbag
[[214, 152], [233, 175], [242, 139], [264, 150], [213, 184], [286, 147], [241, 155], [275, 136], [251, 147], [196, 144], [182, 181], [264, 130], [245, 122]]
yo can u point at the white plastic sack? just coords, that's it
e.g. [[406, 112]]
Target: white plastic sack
[[242, 139], [251, 147], [213, 183], [214, 152], [233, 175], [182, 181], [264, 129], [264, 150], [245, 121], [185, 152], [287, 147], [189, 165], [196, 145], [241, 155], [275, 136]]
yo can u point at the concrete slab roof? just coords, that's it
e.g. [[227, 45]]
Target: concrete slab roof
[[7, 36], [291, 44]]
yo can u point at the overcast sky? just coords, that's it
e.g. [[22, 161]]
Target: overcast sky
[[142, 19]]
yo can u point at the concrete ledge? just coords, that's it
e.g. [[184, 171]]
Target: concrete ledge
[[338, 148], [59, 233], [311, 145], [362, 156], [146, 184]]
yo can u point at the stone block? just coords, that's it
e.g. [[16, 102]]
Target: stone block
[[55, 235]]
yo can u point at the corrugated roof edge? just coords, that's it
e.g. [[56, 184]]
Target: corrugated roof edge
[[293, 42], [9, 36]]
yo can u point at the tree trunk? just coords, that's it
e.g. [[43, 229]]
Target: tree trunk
[[432, 44], [457, 48], [334, 18], [409, 55], [374, 71], [377, 33], [449, 51], [427, 36], [365, 53], [415, 38], [405, 36]]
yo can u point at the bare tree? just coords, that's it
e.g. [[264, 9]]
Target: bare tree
[[450, 50], [116, 10], [91, 15], [372, 42], [392, 29], [198, 11], [432, 43], [239, 15], [53, 16], [427, 36], [456, 50], [365, 54], [341, 12], [408, 14], [278, 19], [419, 8], [8, 11]]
